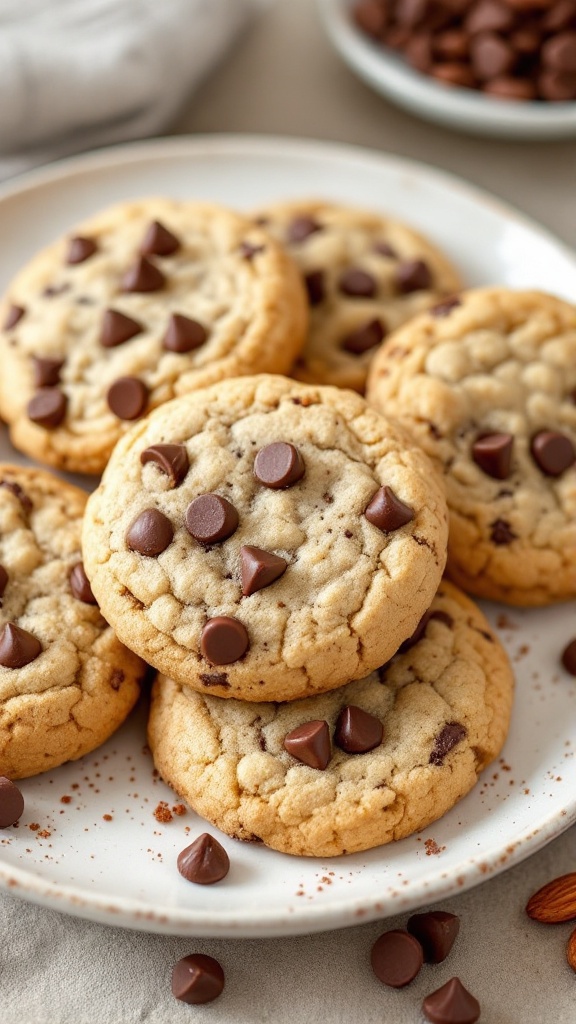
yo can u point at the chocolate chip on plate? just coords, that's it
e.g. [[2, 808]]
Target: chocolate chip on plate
[[13, 316], [210, 518], [46, 371], [80, 585], [224, 640], [127, 398], [143, 276], [18, 647], [310, 744], [11, 803], [197, 979], [47, 408], [357, 731], [436, 932], [451, 1004], [364, 338], [159, 241], [259, 568], [552, 452], [569, 658], [301, 228], [396, 958], [493, 454], [171, 459], [387, 511], [150, 533], [205, 861], [279, 465], [183, 334], [357, 283], [118, 328], [80, 249]]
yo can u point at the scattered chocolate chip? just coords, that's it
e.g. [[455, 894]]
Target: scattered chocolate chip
[[501, 532], [447, 738], [436, 932], [18, 647], [279, 465], [80, 585], [80, 249], [386, 511], [46, 371], [211, 518], [568, 655], [451, 1004], [127, 398], [413, 276], [143, 276], [224, 640], [47, 408], [197, 979], [310, 744], [13, 316], [248, 251], [19, 493], [205, 861], [493, 454], [445, 307], [396, 958], [159, 241], [118, 328], [315, 284], [11, 803], [384, 249], [552, 452], [150, 533], [3, 580], [259, 568], [301, 228], [171, 459], [364, 338], [357, 732], [357, 283], [183, 334]]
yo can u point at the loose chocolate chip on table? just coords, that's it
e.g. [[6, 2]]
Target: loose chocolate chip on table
[[47, 408], [197, 979], [569, 658], [143, 276], [224, 640], [11, 803], [127, 398], [301, 228], [205, 861], [386, 511], [310, 744], [413, 276], [356, 731], [357, 283], [279, 465], [150, 533], [118, 328], [18, 647], [14, 315], [183, 334], [80, 249], [451, 1004], [211, 518], [80, 585], [396, 958], [171, 459], [46, 371], [436, 932], [364, 338], [493, 454], [445, 307], [3, 580], [259, 568], [501, 532], [159, 241], [552, 452], [315, 286], [447, 738]]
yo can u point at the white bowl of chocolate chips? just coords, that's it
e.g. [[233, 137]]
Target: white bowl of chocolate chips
[[504, 68]]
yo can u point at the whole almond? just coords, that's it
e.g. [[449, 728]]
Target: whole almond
[[571, 950], [555, 901]]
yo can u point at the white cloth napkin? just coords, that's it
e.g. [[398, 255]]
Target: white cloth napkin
[[77, 74]]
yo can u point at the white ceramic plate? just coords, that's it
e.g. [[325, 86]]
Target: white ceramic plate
[[66, 853], [463, 109]]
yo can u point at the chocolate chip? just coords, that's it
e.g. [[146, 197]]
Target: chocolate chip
[[127, 398], [396, 958], [18, 647], [445, 307], [19, 493], [310, 744], [211, 518], [80, 249], [215, 679], [447, 738], [52, 290], [442, 617], [416, 635], [3, 580], [205, 861], [364, 338], [13, 316], [386, 511], [315, 286], [279, 465], [413, 276], [552, 452], [47, 408], [144, 276], [159, 241], [183, 334], [197, 979], [224, 640], [568, 657], [118, 328], [171, 459], [384, 249], [248, 251], [301, 228], [357, 732], [80, 585], [501, 532], [357, 283], [493, 454], [150, 533], [451, 1004], [436, 932], [259, 568], [11, 803], [47, 371]]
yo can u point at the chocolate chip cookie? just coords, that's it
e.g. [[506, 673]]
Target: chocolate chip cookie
[[266, 539], [365, 764], [487, 387], [66, 682], [365, 274], [141, 303]]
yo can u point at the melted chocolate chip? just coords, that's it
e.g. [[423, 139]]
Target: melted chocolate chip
[[364, 338], [436, 932], [13, 316], [413, 276], [215, 679], [3, 581], [127, 398], [315, 284], [118, 328], [224, 640], [80, 249], [143, 276], [447, 738], [569, 658], [259, 568], [211, 518], [46, 371], [416, 635], [80, 585], [47, 408], [301, 228], [357, 283], [150, 533], [11, 803], [493, 454], [501, 532], [197, 979], [445, 307], [310, 744], [279, 465], [19, 493], [183, 334], [159, 241], [386, 511], [552, 452], [451, 1004], [442, 617], [18, 647], [205, 861], [396, 958], [357, 732], [171, 459]]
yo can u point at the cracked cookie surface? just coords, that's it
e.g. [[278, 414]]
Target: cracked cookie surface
[[66, 682], [444, 705], [151, 299], [488, 388], [366, 274], [350, 591]]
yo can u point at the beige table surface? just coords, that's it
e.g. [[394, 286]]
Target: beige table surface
[[283, 79]]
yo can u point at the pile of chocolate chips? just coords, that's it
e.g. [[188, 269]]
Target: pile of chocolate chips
[[512, 49]]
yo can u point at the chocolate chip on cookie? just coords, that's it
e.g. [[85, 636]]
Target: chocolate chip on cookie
[[451, 734], [14, 315], [357, 283], [310, 744], [3, 581], [143, 276], [259, 568], [127, 398], [224, 640], [357, 732], [171, 459], [18, 647], [210, 518], [46, 371], [159, 241], [301, 228], [118, 328], [279, 465], [387, 511], [553, 452], [365, 337], [315, 283], [80, 249], [150, 533], [183, 334], [493, 454], [80, 585], [48, 407], [413, 276]]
